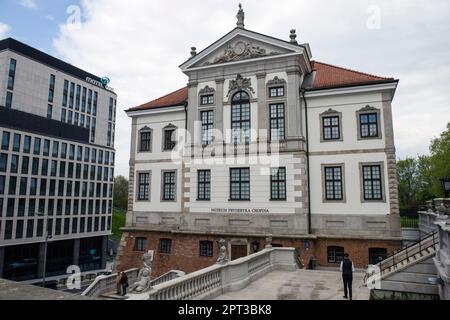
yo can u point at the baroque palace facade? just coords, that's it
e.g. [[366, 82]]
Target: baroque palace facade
[[263, 141]]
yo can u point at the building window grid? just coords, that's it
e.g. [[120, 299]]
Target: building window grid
[[331, 128], [204, 185], [240, 118], [207, 99], [169, 182], [372, 182], [333, 184], [368, 125], [207, 126], [335, 254], [278, 183], [169, 142], [165, 246], [206, 249], [240, 184], [275, 92], [277, 122]]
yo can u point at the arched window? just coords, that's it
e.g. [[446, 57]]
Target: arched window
[[240, 118]]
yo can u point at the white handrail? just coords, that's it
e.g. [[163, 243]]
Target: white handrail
[[221, 278]]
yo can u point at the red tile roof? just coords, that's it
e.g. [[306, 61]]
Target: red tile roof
[[327, 76], [175, 98]]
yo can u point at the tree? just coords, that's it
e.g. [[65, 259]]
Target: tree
[[407, 175], [121, 192], [440, 160]]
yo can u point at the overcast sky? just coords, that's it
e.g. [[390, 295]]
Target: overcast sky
[[139, 44]]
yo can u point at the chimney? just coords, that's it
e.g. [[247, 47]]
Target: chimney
[[293, 36]]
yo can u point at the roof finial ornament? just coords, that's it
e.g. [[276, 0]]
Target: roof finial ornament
[[240, 17], [193, 51], [293, 36]]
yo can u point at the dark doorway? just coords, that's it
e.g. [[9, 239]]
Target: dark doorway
[[21, 262], [238, 251]]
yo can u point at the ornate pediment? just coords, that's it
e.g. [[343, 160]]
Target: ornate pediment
[[241, 50], [368, 108], [329, 112], [239, 84], [207, 90], [276, 81]]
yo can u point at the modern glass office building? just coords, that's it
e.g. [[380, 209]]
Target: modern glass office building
[[57, 154]]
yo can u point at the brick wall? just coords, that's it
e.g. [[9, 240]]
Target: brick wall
[[185, 254]]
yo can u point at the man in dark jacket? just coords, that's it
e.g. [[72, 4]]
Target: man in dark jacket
[[347, 269], [124, 283]]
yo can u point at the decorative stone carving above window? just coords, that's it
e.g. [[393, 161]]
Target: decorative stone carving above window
[[368, 109], [241, 51], [239, 84], [207, 90], [329, 111], [276, 82]]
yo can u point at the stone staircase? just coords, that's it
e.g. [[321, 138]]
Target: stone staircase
[[406, 272]]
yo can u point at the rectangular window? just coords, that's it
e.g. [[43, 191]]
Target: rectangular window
[[11, 74], [3, 162], [35, 167], [27, 144], [277, 124], [55, 149], [19, 229], [53, 170], [165, 246], [207, 126], [278, 184], [77, 98], [204, 184], [72, 94], [30, 228], [51, 88], [21, 208], [94, 104], [43, 188], [65, 93], [86, 154], [23, 186], [72, 152], [89, 106], [70, 117], [240, 123], [46, 147], [146, 140], [140, 244], [335, 254], [331, 128], [25, 165], [49, 111], [276, 92], [169, 181], [368, 125], [240, 184], [111, 106], [10, 207], [372, 182], [333, 184], [8, 230], [9, 99], [14, 163], [169, 139], [2, 184], [83, 100], [37, 146], [16, 142], [64, 150], [207, 99], [63, 115], [5, 140], [79, 153], [206, 248], [44, 168], [33, 186], [12, 185]]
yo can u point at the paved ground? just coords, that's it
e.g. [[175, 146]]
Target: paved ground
[[300, 285]]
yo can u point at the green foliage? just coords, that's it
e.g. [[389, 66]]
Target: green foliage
[[440, 158], [419, 179], [120, 192], [118, 221]]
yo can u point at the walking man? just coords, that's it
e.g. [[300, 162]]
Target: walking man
[[347, 269], [124, 283]]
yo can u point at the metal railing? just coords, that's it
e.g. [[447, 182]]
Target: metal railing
[[398, 257], [409, 222]]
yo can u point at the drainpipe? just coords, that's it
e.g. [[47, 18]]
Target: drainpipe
[[302, 93], [186, 115]]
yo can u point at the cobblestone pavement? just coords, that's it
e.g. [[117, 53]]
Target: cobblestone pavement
[[300, 285]]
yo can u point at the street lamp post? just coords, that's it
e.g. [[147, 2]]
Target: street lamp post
[[47, 237], [446, 186]]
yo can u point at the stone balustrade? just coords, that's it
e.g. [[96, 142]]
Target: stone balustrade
[[442, 259], [107, 283], [218, 279]]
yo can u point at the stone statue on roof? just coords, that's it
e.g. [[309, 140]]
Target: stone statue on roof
[[240, 17]]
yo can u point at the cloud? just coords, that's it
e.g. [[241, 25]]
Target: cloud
[[140, 46], [30, 4], [4, 29]]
